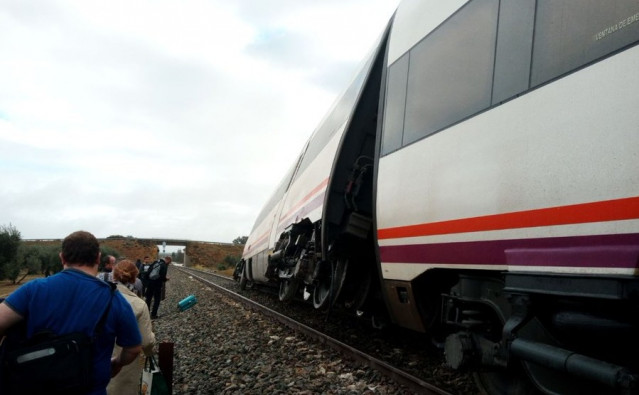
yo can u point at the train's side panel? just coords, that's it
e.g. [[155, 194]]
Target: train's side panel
[[257, 246], [305, 197], [507, 175], [555, 168], [258, 240]]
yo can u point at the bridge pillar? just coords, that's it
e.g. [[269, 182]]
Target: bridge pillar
[[187, 260]]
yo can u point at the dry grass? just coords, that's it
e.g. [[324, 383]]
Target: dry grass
[[228, 272], [6, 287]]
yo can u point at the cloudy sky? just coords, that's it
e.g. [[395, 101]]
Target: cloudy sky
[[165, 118]]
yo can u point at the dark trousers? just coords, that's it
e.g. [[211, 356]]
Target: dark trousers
[[154, 292]]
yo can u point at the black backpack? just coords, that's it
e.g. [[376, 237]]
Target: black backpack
[[49, 363], [154, 270]]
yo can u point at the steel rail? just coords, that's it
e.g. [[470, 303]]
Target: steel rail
[[413, 383]]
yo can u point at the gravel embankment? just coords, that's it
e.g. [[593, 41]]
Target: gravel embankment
[[223, 348]]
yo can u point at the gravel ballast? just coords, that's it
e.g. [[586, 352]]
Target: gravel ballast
[[222, 347]]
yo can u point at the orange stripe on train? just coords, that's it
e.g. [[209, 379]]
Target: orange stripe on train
[[297, 205], [608, 210]]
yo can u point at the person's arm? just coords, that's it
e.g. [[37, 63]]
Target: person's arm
[[8, 318], [127, 355], [128, 334], [139, 288], [163, 272]]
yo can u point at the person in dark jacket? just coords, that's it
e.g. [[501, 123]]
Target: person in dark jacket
[[154, 286], [143, 274]]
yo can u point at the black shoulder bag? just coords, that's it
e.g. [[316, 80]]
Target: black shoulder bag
[[52, 364]]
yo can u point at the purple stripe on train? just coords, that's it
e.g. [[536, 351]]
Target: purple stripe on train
[[297, 216], [613, 251]]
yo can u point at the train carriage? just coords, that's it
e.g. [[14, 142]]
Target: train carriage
[[479, 182], [286, 244]]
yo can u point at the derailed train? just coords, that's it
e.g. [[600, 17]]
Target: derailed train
[[478, 181]]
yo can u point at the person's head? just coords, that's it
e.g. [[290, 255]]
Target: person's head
[[80, 248], [109, 262], [167, 259], [146, 259], [125, 272]]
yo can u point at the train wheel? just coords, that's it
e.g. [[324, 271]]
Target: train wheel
[[243, 278], [288, 289], [330, 286], [503, 382], [356, 297]]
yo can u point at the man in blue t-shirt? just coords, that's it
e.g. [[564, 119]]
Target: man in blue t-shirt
[[73, 301]]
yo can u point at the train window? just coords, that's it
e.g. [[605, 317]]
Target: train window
[[450, 73], [572, 33], [276, 196], [514, 48], [395, 105], [335, 118]]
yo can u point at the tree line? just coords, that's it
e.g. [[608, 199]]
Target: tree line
[[18, 259]]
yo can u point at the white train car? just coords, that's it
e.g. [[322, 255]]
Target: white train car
[[510, 130], [285, 245], [481, 185]]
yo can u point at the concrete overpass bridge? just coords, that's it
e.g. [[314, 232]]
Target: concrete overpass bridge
[[197, 252], [177, 242]]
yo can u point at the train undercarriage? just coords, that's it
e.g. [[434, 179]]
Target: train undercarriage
[[345, 276], [533, 333], [519, 333]]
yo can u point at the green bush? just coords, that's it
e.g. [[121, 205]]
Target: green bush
[[50, 260], [10, 240], [231, 260]]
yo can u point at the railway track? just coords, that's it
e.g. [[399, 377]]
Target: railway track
[[228, 287]]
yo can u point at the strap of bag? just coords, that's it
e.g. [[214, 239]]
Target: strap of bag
[[150, 364], [100, 325]]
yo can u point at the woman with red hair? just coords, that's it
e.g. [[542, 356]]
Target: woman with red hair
[[128, 380]]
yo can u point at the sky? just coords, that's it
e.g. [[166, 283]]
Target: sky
[[165, 118]]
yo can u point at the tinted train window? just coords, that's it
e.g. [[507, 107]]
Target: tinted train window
[[514, 48], [395, 105], [571, 33], [276, 196], [334, 119], [450, 73], [451, 76]]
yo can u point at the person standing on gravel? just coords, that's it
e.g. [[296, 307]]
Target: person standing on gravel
[[154, 284], [73, 300], [143, 274], [128, 381]]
